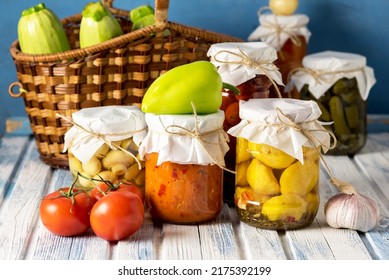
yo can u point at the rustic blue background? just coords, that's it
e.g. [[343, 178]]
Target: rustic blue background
[[357, 26]]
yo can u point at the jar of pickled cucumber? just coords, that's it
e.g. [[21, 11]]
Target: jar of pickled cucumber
[[277, 162], [289, 35], [184, 156], [340, 84], [103, 145], [240, 64]]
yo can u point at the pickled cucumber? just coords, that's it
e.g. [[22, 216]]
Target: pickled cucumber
[[270, 156], [290, 207], [261, 178], [299, 178], [352, 116], [337, 113], [351, 96], [325, 114], [347, 111], [339, 86]]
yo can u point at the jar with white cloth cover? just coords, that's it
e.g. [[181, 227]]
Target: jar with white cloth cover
[[248, 66], [184, 157], [340, 83], [279, 141], [289, 35], [103, 145]]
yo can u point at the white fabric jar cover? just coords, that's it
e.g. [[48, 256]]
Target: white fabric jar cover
[[98, 125], [272, 121], [321, 70], [275, 30], [239, 62], [174, 138]]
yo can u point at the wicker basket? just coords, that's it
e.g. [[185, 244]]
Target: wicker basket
[[116, 72]]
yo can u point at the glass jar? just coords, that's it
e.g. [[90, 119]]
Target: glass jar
[[289, 35], [103, 145], [290, 57], [339, 83], [277, 180], [251, 82], [184, 155], [183, 193]]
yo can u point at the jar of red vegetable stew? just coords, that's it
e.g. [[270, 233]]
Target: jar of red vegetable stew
[[184, 156]]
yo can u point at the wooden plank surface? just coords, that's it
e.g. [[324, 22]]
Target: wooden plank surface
[[24, 180], [20, 211]]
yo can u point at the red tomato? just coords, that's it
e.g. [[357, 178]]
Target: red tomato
[[232, 114], [117, 215], [102, 188], [66, 214]]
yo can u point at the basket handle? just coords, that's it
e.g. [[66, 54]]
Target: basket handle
[[11, 88], [161, 11]]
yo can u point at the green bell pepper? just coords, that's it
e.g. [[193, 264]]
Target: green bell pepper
[[174, 91]]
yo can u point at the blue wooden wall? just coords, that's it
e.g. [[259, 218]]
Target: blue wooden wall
[[357, 26]]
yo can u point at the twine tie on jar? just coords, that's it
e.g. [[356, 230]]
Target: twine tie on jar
[[244, 59], [102, 137], [319, 75], [279, 29], [200, 136]]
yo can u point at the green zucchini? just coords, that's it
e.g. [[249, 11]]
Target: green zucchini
[[97, 25], [41, 32]]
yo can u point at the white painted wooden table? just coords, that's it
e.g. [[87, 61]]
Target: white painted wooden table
[[25, 179]]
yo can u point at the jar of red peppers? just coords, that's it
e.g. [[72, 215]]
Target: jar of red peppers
[[184, 157], [289, 35], [340, 83], [277, 162], [249, 67]]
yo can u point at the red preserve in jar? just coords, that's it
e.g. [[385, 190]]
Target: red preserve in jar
[[184, 175], [248, 66]]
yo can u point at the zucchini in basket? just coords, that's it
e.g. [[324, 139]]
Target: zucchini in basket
[[97, 25], [142, 16], [41, 32]]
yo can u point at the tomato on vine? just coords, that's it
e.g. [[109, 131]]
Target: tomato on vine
[[117, 215], [102, 188], [66, 211]]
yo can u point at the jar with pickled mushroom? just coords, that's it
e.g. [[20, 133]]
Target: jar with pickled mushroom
[[289, 35], [249, 67], [278, 162], [103, 145], [184, 156], [340, 84]]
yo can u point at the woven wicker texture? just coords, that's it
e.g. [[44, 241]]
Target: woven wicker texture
[[116, 72]]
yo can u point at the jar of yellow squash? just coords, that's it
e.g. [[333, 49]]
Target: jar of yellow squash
[[340, 84], [103, 145], [278, 162]]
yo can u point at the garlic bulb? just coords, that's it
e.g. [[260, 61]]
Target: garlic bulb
[[352, 211]]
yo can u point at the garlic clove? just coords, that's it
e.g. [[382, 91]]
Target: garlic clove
[[352, 211]]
